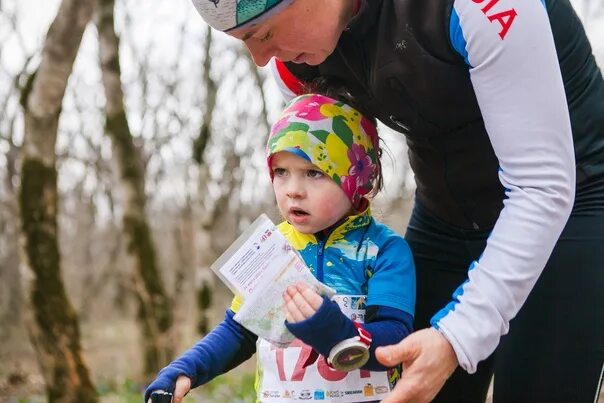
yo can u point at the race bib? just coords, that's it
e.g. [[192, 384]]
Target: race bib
[[283, 377]]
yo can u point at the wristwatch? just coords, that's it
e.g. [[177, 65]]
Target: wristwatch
[[351, 353]]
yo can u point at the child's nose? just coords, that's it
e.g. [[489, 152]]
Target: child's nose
[[295, 190], [295, 194]]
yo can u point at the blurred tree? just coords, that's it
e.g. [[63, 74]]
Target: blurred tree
[[10, 278], [201, 142], [10, 284], [11, 295], [93, 240], [52, 323], [259, 81], [205, 280], [155, 312]]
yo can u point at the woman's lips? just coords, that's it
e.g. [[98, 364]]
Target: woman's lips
[[301, 58]]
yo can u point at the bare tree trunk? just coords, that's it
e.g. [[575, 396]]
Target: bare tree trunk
[[11, 285], [10, 277], [9, 273], [155, 312], [96, 285], [199, 146], [53, 327], [184, 279], [204, 285], [89, 289], [259, 81]]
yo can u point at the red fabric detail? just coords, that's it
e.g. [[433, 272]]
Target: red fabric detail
[[364, 335], [313, 355], [291, 82]]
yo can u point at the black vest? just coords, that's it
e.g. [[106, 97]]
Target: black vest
[[396, 61]]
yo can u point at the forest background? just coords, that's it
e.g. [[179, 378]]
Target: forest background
[[131, 156]]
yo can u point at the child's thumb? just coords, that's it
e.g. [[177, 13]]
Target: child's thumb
[[183, 385], [395, 354]]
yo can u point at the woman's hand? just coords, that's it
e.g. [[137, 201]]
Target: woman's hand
[[428, 360], [301, 302], [183, 385]]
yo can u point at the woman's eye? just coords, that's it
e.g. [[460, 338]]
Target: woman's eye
[[313, 173], [266, 36]]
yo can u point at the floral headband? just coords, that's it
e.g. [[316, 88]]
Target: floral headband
[[333, 136]]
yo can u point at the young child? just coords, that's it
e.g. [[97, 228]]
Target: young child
[[323, 158]]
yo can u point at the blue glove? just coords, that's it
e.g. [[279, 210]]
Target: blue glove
[[325, 328], [329, 326]]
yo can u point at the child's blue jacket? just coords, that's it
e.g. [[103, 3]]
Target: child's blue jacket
[[359, 256]]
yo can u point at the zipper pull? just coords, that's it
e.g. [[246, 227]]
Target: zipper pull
[[320, 245]]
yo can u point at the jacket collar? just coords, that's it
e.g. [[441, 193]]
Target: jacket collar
[[365, 18], [335, 233]]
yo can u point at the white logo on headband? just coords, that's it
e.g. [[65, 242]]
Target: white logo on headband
[[221, 18]]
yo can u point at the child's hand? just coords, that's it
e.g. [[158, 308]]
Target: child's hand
[[301, 302], [183, 385]]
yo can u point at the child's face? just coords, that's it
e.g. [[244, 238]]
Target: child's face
[[307, 198]]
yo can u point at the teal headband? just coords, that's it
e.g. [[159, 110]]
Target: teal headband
[[225, 15]]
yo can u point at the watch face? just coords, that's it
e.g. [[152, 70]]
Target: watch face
[[350, 358], [351, 355]]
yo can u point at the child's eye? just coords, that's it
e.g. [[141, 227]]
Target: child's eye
[[313, 173], [279, 172]]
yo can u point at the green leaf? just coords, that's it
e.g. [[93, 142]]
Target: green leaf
[[342, 130], [292, 127], [320, 134]]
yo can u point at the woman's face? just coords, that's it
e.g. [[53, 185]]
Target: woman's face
[[306, 31]]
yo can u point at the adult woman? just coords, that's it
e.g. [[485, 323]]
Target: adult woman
[[480, 90]]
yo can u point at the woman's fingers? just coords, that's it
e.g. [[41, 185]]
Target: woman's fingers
[[428, 360], [403, 352]]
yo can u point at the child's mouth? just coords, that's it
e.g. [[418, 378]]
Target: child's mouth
[[296, 212]]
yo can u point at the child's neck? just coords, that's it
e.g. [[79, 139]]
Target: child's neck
[[324, 233]]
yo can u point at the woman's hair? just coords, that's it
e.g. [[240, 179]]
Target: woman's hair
[[333, 88]]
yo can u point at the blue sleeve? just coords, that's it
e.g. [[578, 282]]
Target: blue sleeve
[[329, 326], [391, 282], [387, 326], [226, 346]]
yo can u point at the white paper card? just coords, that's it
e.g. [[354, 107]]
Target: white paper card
[[259, 266]]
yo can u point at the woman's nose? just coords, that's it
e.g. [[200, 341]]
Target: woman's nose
[[261, 53]]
